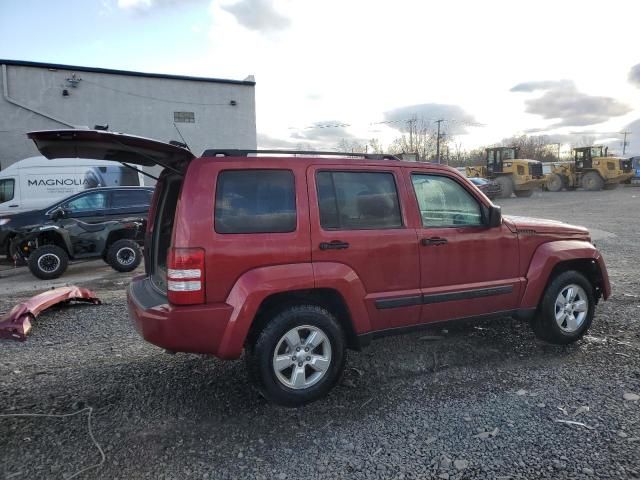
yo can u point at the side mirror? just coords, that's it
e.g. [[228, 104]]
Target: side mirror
[[495, 216], [58, 213]]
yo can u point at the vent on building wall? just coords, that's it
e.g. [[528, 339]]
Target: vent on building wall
[[184, 117]]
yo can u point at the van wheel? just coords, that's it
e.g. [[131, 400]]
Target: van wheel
[[48, 262], [566, 310], [124, 255], [592, 181], [506, 186], [298, 357]]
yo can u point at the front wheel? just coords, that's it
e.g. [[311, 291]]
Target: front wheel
[[592, 181], [566, 310], [48, 262], [506, 186], [298, 357], [555, 182], [124, 255]]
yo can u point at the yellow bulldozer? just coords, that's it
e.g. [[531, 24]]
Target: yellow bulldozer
[[513, 174], [591, 169]]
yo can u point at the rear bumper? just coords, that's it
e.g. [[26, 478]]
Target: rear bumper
[[192, 328]]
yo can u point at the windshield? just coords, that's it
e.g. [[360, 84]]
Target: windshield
[[6, 189]]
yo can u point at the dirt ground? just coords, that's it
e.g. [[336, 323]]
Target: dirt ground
[[468, 401]]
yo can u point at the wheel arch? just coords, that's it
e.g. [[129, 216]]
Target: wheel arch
[[53, 237], [553, 258], [328, 298]]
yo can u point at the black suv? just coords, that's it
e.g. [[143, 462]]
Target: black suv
[[91, 206]]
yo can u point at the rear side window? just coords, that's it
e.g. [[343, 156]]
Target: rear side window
[[255, 201], [358, 201], [130, 198], [6, 189]]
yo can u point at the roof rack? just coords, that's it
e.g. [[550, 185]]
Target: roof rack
[[213, 152]]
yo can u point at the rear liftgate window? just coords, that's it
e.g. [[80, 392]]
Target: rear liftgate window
[[255, 201]]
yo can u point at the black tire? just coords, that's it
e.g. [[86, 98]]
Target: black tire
[[555, 182], [124, 255], [48, 262], [523, 193], [592, 181], [544, 323], [506, 186], [260, 354]]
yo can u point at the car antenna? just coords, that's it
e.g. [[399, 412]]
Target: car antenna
[[183, 140]]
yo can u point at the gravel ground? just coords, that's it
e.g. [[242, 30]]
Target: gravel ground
[[473, 401]]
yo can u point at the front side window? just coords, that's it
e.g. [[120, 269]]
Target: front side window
[[358, 201], [255, 201], [445, 203], [91, 201], [7, 186]]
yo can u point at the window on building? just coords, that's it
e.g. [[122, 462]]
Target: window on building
[[358, 201], [255, 201], [7, 186], [445, 203], [91, 201], [184, 117]]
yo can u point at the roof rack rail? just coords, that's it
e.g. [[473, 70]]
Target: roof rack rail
[[214, 152]]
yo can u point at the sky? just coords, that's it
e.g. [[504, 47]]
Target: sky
[[328, 70]]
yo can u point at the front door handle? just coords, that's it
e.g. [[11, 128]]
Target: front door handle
[[433, 241], [334, 245]]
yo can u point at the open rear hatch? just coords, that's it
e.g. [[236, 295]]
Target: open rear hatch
[[104, 145], [138, 151]]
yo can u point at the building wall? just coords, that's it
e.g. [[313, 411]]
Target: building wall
[[130, 104]]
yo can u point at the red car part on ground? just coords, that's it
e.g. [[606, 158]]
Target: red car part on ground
[[16, 324]]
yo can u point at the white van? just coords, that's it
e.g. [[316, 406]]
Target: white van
[[37, 182]]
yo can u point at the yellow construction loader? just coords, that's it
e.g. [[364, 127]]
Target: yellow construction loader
[[513, 174], [591, 169]]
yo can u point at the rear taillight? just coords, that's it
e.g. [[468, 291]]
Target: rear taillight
[[185, 276]]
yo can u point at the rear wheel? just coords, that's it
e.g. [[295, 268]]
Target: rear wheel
[[566, 310], [523, 193], [48, 262], [592, 181], [506, 186], [555, 182], [124, 255], [298, 357]]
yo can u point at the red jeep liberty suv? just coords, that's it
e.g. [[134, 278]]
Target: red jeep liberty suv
[[294, 259]]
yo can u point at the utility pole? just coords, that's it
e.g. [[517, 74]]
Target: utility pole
[[411, 123], [438, 141], [624, 142]]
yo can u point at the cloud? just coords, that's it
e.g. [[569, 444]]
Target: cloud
[[259, 15], [326, 132], [267, 142], [147, 5], [540, 85], [633, 147], [634, 75], [456, 118], [561, 100]]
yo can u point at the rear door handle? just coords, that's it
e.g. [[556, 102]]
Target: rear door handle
[[334, 245], [433, 241]]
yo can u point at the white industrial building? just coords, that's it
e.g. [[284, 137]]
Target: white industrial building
[[208, 112]]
